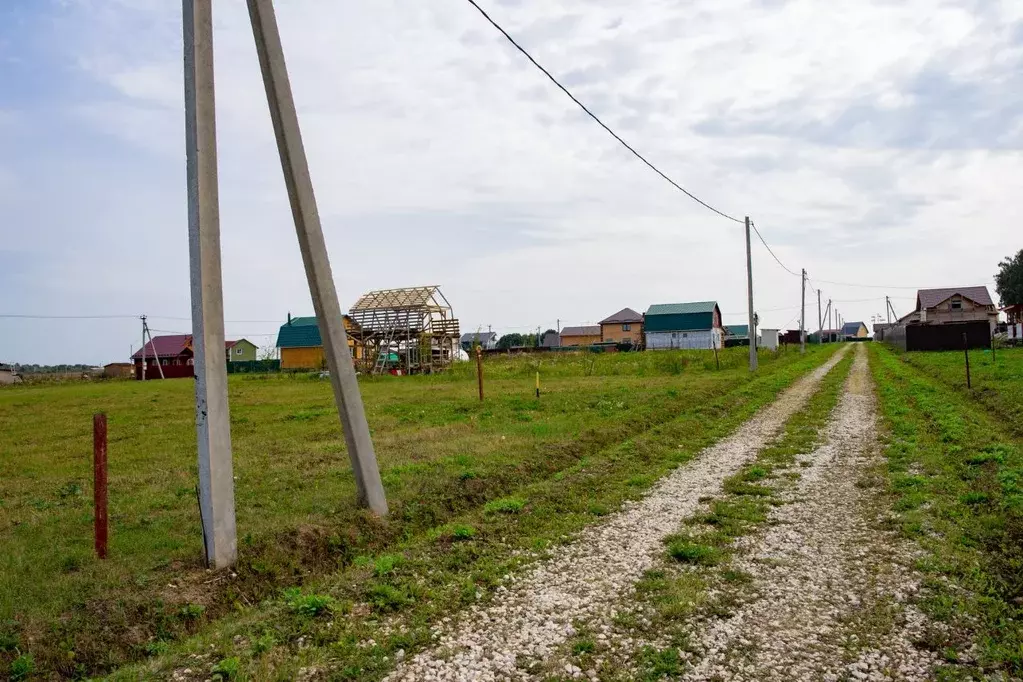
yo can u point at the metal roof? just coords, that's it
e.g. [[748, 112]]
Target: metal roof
[[850, 328], [682, 308], [483, 336], [623, 316], [171, 345], [581, 331], [737, 329], [928, 298]]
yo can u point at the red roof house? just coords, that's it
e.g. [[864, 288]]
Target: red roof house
[[173, 352]]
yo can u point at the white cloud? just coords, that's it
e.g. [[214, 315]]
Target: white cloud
[[440, 155]]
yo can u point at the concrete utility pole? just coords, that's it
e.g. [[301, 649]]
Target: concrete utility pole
[[749, 302], [888, 309], [820, 320], [143, 348], [314, 255], [802, 316], [212, 419]]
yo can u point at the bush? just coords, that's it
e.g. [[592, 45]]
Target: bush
[[22, 667], [507, 505]]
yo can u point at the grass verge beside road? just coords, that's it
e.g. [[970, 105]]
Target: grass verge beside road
[[443, 455], [956, 474], [384, 604]]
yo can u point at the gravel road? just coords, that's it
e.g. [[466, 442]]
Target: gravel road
[[830, 585], [532, 614]]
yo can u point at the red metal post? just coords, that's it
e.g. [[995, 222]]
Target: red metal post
[[99, 463]]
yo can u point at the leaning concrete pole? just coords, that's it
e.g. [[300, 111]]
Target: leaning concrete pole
[[212, 420], [749, 297], [314, 255]]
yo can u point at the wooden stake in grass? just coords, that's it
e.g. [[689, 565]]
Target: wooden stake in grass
[[99, 485], [479, 369], [966, 352], [538, 385], [717, 363]]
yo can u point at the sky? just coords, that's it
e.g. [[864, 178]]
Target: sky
[[872, 142]]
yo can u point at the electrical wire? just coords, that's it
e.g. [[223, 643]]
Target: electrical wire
[[597, 119]]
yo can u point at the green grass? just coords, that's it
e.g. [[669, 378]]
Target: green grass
[[443, 455], [955, 468], [996, 379]]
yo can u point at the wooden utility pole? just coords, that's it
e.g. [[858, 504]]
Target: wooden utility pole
[[820, 320], [749, 303], [314, 255], [802, 315], [212, 418]]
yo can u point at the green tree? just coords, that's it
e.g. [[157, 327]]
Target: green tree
[[1009, 280], [510, 341]]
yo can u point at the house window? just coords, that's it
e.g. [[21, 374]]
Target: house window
[[191, 362], [626, 327], [237, 351], [957, 304], [164, 362], [685, 335]]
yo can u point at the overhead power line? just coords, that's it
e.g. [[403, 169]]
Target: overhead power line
[[597, 118]]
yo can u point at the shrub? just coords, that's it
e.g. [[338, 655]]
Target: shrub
[[226, 669], [507, 505]]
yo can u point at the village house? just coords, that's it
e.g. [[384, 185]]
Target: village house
[[952, 305], [488, 340], [241, 350], [301, 347], [580, 336], [8, 375], [854, 330], [625, 326], [694, 325], [175, 356]]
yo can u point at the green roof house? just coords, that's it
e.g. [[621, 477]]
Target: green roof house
[[302, 348], [694, 325]]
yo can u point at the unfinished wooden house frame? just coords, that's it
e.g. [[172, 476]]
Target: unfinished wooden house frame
[[411, 329]]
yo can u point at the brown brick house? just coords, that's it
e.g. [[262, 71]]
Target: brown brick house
[[625, 326], [951, 305]]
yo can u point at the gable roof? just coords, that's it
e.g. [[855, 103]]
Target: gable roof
[[850, 328], [164, 346], [928, 298], [682, 308], [299, 332], [623, 316], [172, 345], [737, 329], [483, 336], [593, 330]]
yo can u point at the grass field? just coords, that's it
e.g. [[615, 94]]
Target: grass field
[[464, 480], [955, 470], [996, 378]]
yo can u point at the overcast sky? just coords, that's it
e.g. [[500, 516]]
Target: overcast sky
[[871, 141]]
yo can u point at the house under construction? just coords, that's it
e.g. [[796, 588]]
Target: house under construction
[[412, 330]]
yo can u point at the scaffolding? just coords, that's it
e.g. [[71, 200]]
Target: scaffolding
[[412, 330]]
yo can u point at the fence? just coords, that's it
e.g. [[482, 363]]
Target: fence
[[253, 366], [937, 336]]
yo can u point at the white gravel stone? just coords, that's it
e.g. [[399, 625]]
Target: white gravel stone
[[836, 565], [525, 623]]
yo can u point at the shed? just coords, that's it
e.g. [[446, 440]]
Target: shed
[[695, 325], [769, 338]]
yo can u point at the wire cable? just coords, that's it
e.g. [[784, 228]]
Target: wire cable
[[597, 119]]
